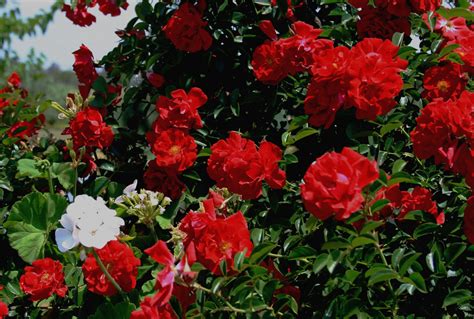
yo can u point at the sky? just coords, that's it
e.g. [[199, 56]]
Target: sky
[[63, 37]]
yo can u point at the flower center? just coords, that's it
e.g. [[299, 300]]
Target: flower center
[[44, 278], [175, 149], [225, 245], [443, 85]]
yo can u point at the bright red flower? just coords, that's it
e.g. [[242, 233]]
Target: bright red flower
[[464, 163], [446, 81], [26, 129], [79, 14], [466, 50], [324, 98], [267, 27], [469, 220], [333, 184], [186, 29], [420, 6], [378, 23], [88, 129], [85, 69], [451, 29], [375, 79], [162, 180], [14, 80], [174, 149], [111, 7], [269, 63], [121, 263], [156, 79], [235, 163], [180, 111], [210, 239], [148, 310], [3, 310], [42, 279]]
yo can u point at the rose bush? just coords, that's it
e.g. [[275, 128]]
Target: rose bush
[[248, 159]]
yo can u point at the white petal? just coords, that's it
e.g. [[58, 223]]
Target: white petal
[[64, 239], [68, 222], [131, 188]]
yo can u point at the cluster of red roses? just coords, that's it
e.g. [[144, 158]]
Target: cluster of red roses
[[334, 185], [383, 18], [170, 141], [365, 77], [186, 28], [79, 14], [19, 129]]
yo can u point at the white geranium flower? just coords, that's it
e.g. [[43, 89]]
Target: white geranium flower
[[127, 192], [88, 222]]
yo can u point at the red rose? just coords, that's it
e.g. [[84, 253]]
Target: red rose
[[148, 310], [110, 7], [463, 163], [162, 180], [398, 8], [451, 29], [14, 80], [88, 129], [25, 129], [42, 279], [421, 6], [445, 81], [210, 239], [466, 50], [157, 80], [121, 263], [269, 63], [79, 15], [181, 110], [174, 149], [375, 80], [85, 69], [185, 29], [235, 163], [469, 220], [323, 100], [378, 23], [3, 310], [333, 184]]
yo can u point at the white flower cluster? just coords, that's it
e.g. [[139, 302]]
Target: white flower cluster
[[88, 222]]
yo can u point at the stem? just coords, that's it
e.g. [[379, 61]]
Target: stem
[[74, 190], [50, 181], [153, 231], [106, 272]]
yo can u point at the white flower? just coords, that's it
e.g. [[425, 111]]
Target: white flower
[[88, 222], [127, 192]]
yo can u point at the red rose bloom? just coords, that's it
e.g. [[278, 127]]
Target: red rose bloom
[[162, 180], [235, 163], [466, 50], [181, 110], [121, 263], [79, 14], [469, 220], [174, 149], [464, 163], [378, 23], [421, 6], [445, 81], [85, 69], [88, 129], [333, 184], [269, 63], [3, 310], [110, 7], [25, 129], [375, 79], [148, 310], [185, 29], [42, 279], [14, 80], [211, 239], [399, 8], [157, 80], [323, 100]]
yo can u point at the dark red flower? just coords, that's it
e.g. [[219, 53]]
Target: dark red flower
[[79, 14], [379, 23], [14, 80], [156, 79], [111, 7], [398, 8], [333, 184], [323, 100], [3, 310], [469, 220], [186, 29], [420, 6], [174, 149], [42, 279], [162, 180], [267, 27], [235, 163], [180, 111], [446, 81], [210, 239], [88, 129], [26, 129], [85, 69], [121, 263], [466, 50]]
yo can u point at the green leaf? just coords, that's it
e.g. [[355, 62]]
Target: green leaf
[[302, 252], [320, 262], [216, 284], [407, 261], [30, 222], [261, 252], [390, 127], [118, 311], [397, 38], [382, 275], [378, 205], [336, 243], [65, 174], [27, 168], [456, 12], [371, 225], [362, 241], [418, 281], [457, 297], [398, 166], [424, 229]]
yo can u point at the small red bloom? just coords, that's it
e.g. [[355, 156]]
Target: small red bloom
[[121, 263], [162, 180], [269, 63], [79, 14], [85, 69], [156, 79], [88, 129], [42, 279], [469, 220], [235, 163], [421, 6], [378, 23], [111, 7], [174, 149], [445, 81], [148, 310], [185, 29], [25, 129], [180, 111], [3, 310], [333, 184], [14, 80]]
